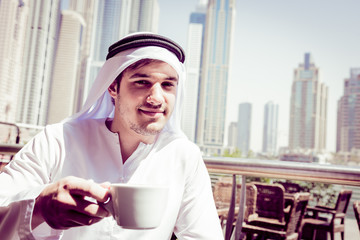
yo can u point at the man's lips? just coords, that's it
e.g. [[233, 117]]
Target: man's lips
[[152, 112]]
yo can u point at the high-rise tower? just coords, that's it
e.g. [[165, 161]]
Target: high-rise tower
[[13, 23], [193, 65], [64, 87], [244, 128], [348, 115], [39, 52], [308, 108], [214, 75], [114, 20], [271, 111]]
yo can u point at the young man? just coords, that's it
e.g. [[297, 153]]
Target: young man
[[128, 131]]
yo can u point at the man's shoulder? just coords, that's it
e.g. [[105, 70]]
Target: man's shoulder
[[74, 126], [180, 143]]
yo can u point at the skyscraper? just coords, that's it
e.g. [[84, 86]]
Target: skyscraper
[[271, 112], [87, 9], [244, 128], [308, 108], [348, 115], [144, 16], [13, 19], [114, 20], [64, 87], [232, 135], [214, 75], [193, 64], [39, 52]]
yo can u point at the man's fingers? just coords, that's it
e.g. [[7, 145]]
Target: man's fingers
[[87, 188], [82, 219], [88, 207]]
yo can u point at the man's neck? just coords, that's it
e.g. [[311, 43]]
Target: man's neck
[[129, 140]]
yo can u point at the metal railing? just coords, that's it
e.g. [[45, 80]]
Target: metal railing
[[333, 174], [325, 173]]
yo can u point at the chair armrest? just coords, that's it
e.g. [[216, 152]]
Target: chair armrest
[[257, 229], [324, 207], [287, 209], [252, 217], [321, 210]]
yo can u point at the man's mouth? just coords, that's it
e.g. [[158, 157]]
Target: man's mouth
[[152, 112]]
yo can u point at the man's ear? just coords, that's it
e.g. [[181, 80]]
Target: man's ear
[[113, 89]]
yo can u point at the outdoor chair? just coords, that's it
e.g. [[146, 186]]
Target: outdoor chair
[[356, 207], [292, 227], [270, 205], [290, 187], [222, 196], [327, 220]]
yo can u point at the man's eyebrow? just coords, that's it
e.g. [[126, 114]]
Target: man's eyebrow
[[143, 75], [139, 75]]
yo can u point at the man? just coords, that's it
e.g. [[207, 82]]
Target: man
[[128, 131]]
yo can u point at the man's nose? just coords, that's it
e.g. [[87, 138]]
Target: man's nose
[[156, 96]]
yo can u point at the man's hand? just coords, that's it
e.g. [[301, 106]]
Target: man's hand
[[65, 204]]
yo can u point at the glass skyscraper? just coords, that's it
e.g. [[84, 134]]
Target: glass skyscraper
[[193, 65], [271, 112], [244, 128], [348, 116], [214, 75], [308, 109]]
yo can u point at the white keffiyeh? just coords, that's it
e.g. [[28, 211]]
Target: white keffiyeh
[[99, 104]]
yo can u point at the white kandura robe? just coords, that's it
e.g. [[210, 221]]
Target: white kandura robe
[[87, 149]]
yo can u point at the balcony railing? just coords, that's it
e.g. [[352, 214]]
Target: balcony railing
[[332, 174], [335, 174]]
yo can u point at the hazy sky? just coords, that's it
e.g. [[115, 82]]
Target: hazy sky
[[271, 38]]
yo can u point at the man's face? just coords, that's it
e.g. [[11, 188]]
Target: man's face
[[145, 98]]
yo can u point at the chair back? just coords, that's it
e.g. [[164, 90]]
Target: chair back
[[223, 190], [357, 212], [270, 201], [343, 201], [290, 187], [223, 194], [297, 212]]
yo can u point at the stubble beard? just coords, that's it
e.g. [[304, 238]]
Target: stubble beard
[[143, 129]]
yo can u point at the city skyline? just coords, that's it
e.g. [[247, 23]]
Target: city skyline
[[265, 56], [270, 41]]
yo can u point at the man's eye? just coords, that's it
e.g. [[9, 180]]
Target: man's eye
[[142, 82], [168, 84]]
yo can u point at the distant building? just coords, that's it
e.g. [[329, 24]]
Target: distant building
[[271, 115], [244, 128], [13, 25], [215, 66], [38, 61], [194, 52], [348, 115], [114, 20], [308, 108], [64, 88], [232, 135], [299, 157]]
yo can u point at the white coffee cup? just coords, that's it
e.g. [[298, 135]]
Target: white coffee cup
[[137, 206]]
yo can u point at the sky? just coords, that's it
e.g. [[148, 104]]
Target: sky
[[270, 41]]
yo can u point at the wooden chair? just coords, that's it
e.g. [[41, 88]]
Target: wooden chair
[[222, 196], [292, 227], [291, 187], [356, 207], [333, 221], [269, 206]]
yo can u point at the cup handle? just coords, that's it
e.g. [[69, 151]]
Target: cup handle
[[108, 205]]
